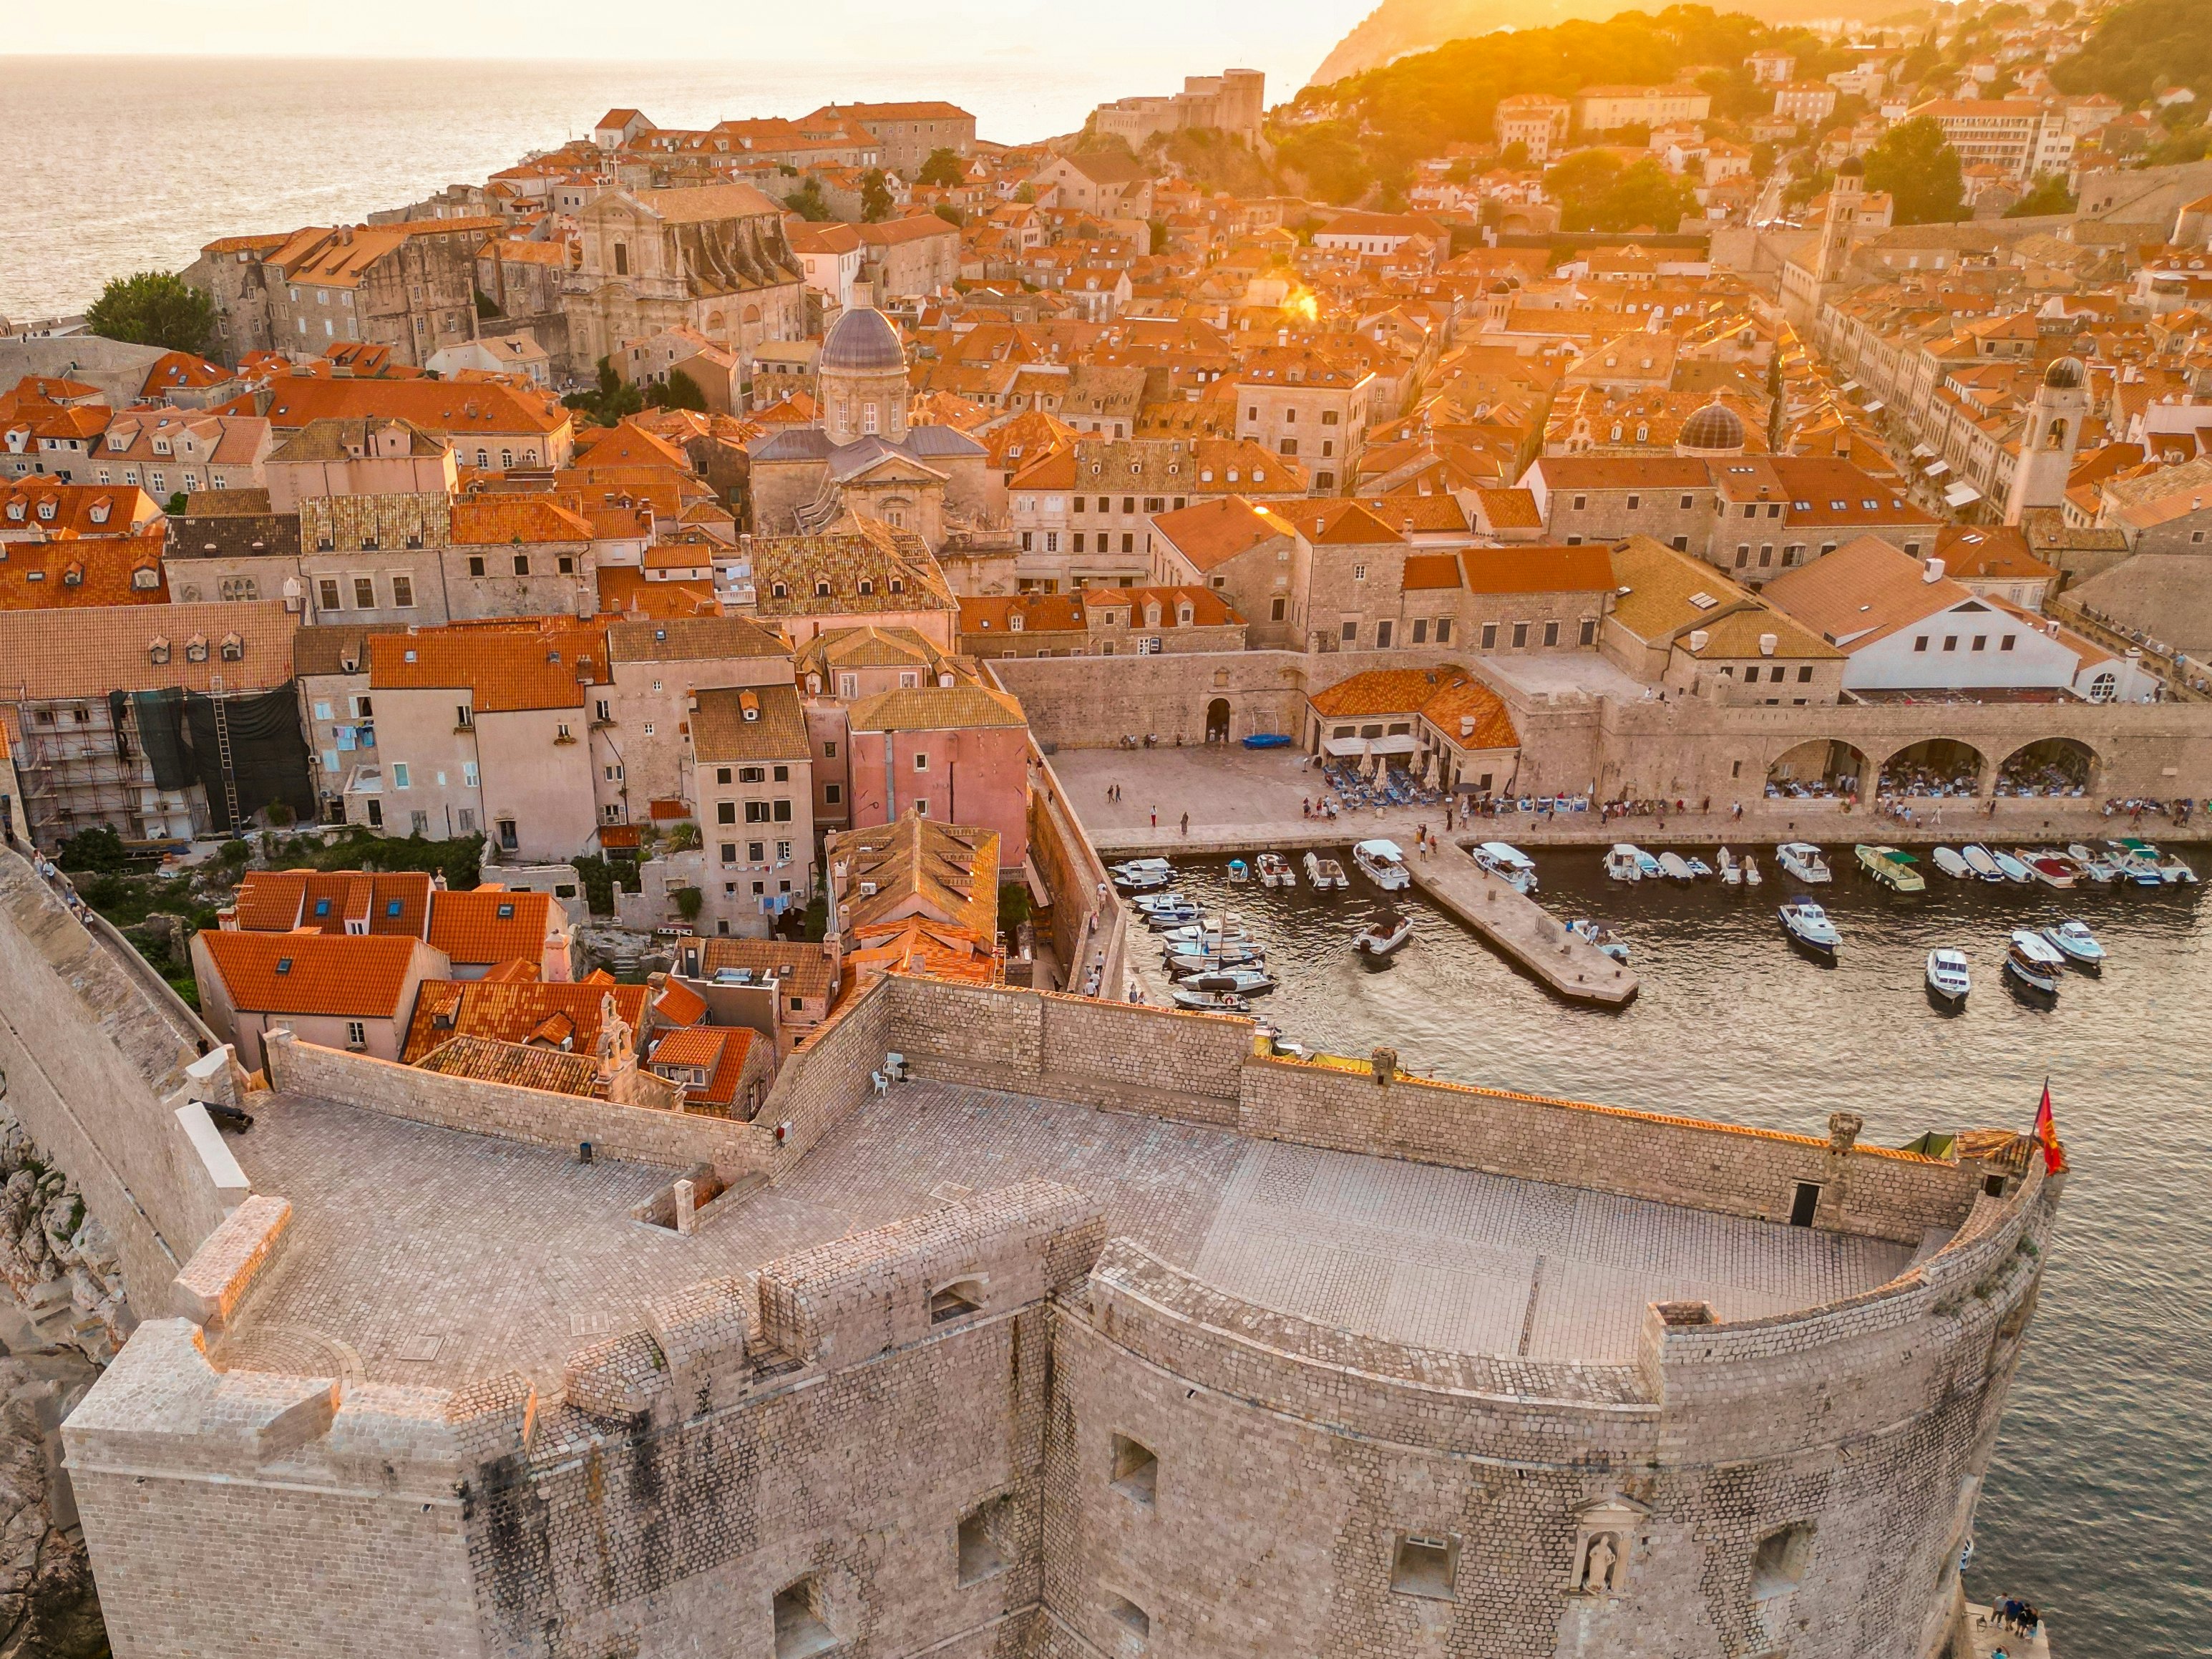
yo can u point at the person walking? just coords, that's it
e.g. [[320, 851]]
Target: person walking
[[1186, 826], [1156, 818]]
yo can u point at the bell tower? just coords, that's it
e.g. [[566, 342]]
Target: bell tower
[[2049, 439]]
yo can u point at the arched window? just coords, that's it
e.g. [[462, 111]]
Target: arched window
[[777, 591], [506, 459], [821, 589], [867, 586], [2056, 438]]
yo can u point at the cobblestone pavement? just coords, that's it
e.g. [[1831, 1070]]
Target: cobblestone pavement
[[420, 1255], [1240, 800]]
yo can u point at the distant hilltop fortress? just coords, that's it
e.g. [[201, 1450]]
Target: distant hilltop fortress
[[1232, 101], [1012, 1324]]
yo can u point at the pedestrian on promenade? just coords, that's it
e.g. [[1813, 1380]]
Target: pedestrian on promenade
[[1156, 818], [1448, 817], [1186, 825], [1305, 806]]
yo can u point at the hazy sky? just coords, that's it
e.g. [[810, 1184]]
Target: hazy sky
[[1167, 37]]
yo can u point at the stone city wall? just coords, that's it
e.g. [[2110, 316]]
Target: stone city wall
[[93, 1066], [669, 1140]]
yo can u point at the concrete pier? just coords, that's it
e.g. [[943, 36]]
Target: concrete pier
[[1539, 943]]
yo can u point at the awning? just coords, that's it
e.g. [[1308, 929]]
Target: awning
[[1849, 385], [1874, 406], [1401, 744], [1921, 451], [1959, 494], [1936, 469]]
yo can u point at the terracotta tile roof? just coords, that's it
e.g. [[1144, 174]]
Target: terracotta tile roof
[[693, 639], [484, 521], [312, 973], [395, 902], [503, 668], [869, 646], [1624, 473], [490, 925], [720, 1051], [115, 648], [1538, 569], [625, 593], [1212, 533], [918, 867], [1510, 510], [1428, 571], [803, 970], [679, 1005], [531, 1067], [83, 570], [55, 509], [756, 723], [1380, 691], [1328, 522], [959, 706], [510, 1011], [1990, 553], [457, 409], [1658, 591], [1864, 591], [1469, 699]]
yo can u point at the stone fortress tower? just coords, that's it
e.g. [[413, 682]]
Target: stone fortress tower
[[1112, 1335], [2049, 439]]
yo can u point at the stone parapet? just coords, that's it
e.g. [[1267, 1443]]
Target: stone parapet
[[215, 1280]]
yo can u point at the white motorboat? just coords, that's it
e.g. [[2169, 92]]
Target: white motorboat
[[1802, 861], [2174, 873], [1242, 982], [1386, 934], [1981, 861], [1750, 871], [1699, 870], [1167, 921], [1275, 871], [1676, 868], [1809, 928], [1602, 937], [1239, 871], [2010, 868], [1230, 931], [1325, 875], [1210, 1002], [1142, 875], [1731, 871], [2079, 945], [1173, 900], [1648, 864], [2093, 864], [1382, 863], [1509, 864], [2136, 862], [2034, 963], [1949, 978], [2046, 868], [1624, 863], [1948, 861], [1190, 953]]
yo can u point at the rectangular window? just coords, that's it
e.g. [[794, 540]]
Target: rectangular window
[[522, 564], [357, 1034], [756, 851], [476, 564], [729, 852], [1520, 634], [1803, 1203], [783, 814], [756, 811], [1382, 636], [469, 776], [1805, 676], [1950, 641], [2006, 643], [1275, 609], [922, 763], [1921, 644], [1443, 631], [364, 593], [1350, 632], [1490, 636], [1981, 643], [725, 812], [832, 793], [402, 591], [1421, 630], [1551, 633], [1588, 631], [399, 777]]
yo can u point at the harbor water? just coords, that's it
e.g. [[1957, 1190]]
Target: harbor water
[[2097, 1503]]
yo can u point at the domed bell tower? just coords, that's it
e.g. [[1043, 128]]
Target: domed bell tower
[[2049, 439], [860, 376]]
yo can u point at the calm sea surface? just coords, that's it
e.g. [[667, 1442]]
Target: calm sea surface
[[2098, 1505], [131, 164]]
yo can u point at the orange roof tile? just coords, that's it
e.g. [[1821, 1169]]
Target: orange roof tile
[[354, 978], [509, 1011], [505, 669], [490, 925]]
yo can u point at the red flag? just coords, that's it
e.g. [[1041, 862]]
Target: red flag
[[2046, 1136]]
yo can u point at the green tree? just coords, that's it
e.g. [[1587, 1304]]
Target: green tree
[[807, 202], [943, 169], [1514, 156], [950, 214], [1919, 171], [2136, 49], [1645, 194], [155, 308], [2049, 196], [97, 848], [1578, 181], [876, 203], [611, 402], [680, 390]]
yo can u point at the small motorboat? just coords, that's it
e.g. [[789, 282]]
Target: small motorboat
[[1381, 937], [2046, 868], [1509, 864], [1602, 937], [1168, 921], [1209, 1002], [1239, 871], [1948, 861], [2093, 864], [1699, 870], [1803, 861], [1895, 869], [1230, 931], [1676, 868], [1751, 877], [1382, 863], [1210, 952], [1624, 862], [2133, 866], [1809, 928], [1325, 875], [1648, 864], [1949, 978], [2174, 873], [1275, 871], [1731, 871], [1171, 900], [2010, 868], [1981, 861], [1241, 981], [2034, 964], [2079, 945], [1142, 875]]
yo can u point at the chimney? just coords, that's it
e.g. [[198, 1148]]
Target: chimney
[[1698, 638], [1933, 572], [1465, 726], [1768, 644]]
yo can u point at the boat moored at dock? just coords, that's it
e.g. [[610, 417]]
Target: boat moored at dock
[[1325, 875], [1509, 864], [2046, 868], [1275, 871], [1981, 861], [2034, 964], [1676, 868], [2079, 945], [2010, 868], [1624, 862], [1383, 863], [1597, 933], [1949, 860], [1801, 861], [1895, 869], [1949, 979]]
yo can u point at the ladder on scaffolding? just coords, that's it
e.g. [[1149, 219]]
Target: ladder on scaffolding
[[222, 752]]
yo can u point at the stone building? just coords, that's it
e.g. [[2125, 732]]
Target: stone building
[[860, 1392], [712, 259]]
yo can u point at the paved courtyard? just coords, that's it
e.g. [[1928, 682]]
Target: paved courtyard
[[421, 1255]]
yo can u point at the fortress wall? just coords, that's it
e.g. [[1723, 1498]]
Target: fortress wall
[[669, 1140], [89, 1058], [824, 1078]]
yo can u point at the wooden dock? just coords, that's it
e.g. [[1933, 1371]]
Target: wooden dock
[[1520, 929]]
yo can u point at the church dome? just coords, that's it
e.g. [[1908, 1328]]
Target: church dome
[[2065, 374], [1713, 428], [863, 342], [1851, 167]]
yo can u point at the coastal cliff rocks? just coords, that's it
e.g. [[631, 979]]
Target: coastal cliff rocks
[[62, 1319]]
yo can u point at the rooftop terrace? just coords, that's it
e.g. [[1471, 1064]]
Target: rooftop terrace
[[421, 1255]]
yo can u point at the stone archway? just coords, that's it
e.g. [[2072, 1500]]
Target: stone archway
[[1935, 767], [1217, 720], [2049, 766], [1818, 768]]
